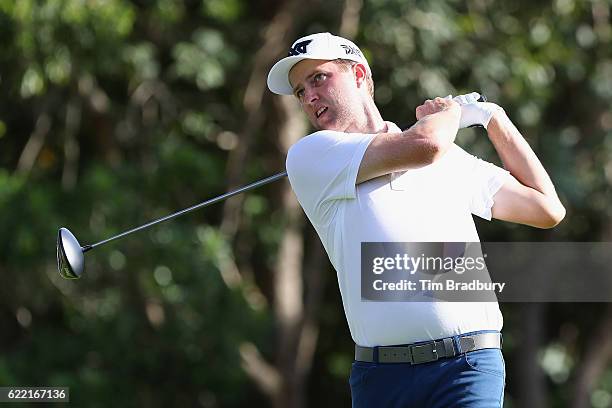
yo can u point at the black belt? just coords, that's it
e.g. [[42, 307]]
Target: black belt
[[419, 353]]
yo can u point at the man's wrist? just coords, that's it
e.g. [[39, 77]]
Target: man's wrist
[[497, 117]]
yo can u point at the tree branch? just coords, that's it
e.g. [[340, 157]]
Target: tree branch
[[594, 362], [315, 284], [349, 23], [264, 375], [274, 43], [34, 145], [71, 146]]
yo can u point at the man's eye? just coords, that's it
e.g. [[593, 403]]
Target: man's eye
[[319, 77], [299, 94]]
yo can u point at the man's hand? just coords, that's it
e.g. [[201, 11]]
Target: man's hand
[[474, 112], [430, 107]]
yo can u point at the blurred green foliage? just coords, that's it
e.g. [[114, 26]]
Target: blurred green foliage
[[115, 112]]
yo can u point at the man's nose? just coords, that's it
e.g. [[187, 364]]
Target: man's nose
[[310, 95]]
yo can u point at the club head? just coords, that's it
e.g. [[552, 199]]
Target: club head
[[70, 259]]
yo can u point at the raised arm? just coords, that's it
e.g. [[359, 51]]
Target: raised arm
[[420, 145], [529, 197]]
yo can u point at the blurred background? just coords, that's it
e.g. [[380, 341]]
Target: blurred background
[[115, 112]]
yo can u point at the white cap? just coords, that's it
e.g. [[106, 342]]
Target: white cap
[[323, 46]]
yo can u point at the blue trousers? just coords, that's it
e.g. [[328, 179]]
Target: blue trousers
[[474, 380]]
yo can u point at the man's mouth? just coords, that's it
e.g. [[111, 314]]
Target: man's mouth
[[320, 111]]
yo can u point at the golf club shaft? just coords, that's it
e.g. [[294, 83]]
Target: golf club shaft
[[192, 208], [203, 204]]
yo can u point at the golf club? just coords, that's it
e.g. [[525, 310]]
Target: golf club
[[70, 254]]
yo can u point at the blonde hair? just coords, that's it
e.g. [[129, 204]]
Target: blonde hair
[[346, 64]]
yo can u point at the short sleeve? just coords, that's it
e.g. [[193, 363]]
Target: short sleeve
[[479, 179], [323, 168], [487, 179]]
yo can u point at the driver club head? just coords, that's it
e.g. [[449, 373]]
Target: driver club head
[[70, 259]]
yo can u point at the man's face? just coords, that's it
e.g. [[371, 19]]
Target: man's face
[[328, 94]]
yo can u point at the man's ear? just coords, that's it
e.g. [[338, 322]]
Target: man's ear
[[361, 74]]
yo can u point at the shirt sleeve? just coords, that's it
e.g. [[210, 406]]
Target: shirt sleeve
[[323, 167], [483, 180], [487, 180]]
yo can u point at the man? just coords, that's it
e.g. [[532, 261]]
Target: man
[[362, 179]]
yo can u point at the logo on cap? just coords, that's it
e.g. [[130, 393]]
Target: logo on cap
[[299, 48], [351, 50]]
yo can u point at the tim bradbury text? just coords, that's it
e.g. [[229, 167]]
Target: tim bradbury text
[[448, 285]]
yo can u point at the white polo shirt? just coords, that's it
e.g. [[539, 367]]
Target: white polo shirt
[[431, 204]]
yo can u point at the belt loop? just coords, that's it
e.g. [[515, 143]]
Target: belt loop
[[457, 344], [375, 354], [449, 347]]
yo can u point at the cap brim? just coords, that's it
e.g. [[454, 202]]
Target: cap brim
[[278, 77]]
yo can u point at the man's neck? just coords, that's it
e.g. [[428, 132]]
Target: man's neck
[[372, 121]]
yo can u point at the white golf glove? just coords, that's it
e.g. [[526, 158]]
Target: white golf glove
[[474, 112]]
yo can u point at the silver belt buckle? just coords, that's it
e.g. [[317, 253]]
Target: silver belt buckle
[[424, 353]]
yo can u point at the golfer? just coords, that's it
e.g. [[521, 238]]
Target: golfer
[[360, 178]]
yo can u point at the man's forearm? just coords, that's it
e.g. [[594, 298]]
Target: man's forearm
[[529, 196], [420, 145], [517, 156], [441, 127]]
